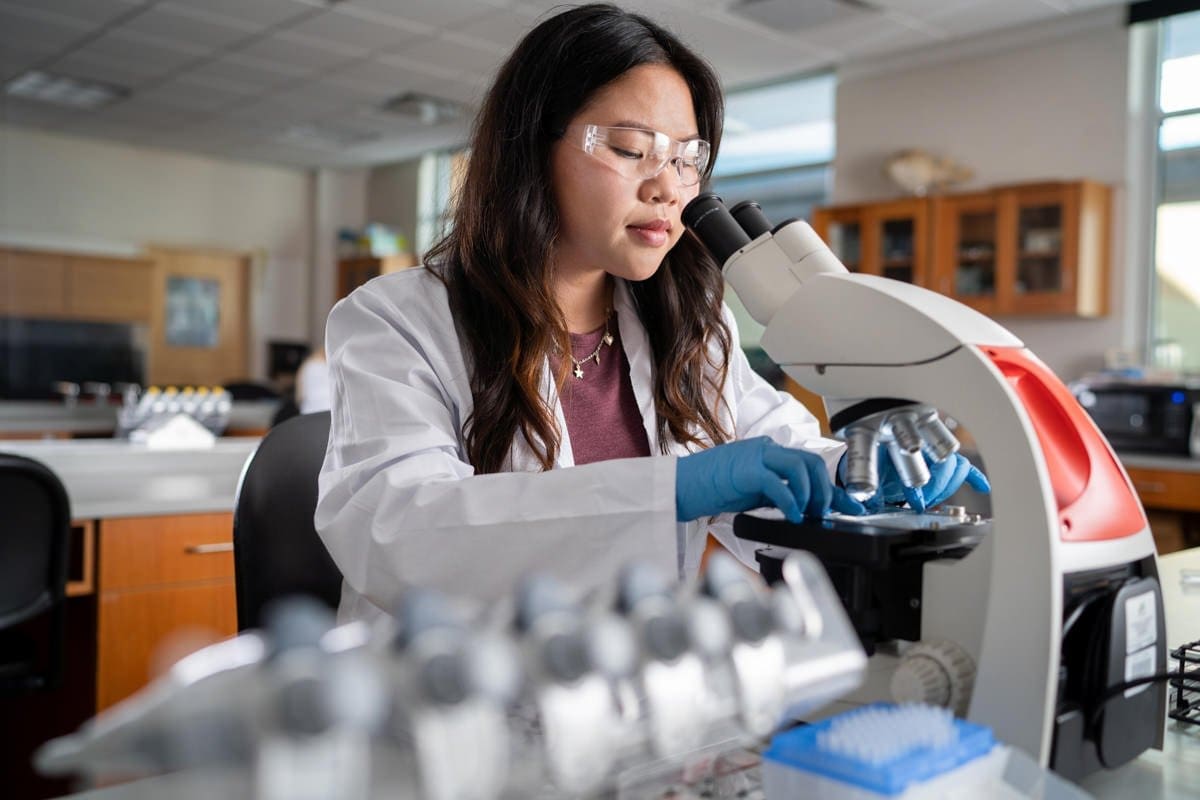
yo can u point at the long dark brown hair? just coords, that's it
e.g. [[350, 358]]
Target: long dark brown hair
[[497, 261]]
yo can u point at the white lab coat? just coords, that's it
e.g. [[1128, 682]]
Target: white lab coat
[[400, 505]]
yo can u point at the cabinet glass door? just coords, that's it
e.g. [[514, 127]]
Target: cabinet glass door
[[1039, 249], [845, 240], [975, 254], [899, 249]]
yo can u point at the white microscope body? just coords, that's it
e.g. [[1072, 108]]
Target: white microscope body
[[1061, 503]]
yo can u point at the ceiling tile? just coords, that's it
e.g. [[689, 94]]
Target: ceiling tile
[[984, 16], [13, 62], [376, 76], [191, 95], [423, 67], [259, 12], [504, 28], [743, 55], [294, 55], [95, 12], [129, 73], [238, 72], [28, 29], [16, 111], [439, 13], [450, 58], [182, 26], [317, 100], [155, 53], [143, 113], [341, 26]]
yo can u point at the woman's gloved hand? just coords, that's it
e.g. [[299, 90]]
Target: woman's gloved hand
[[753, 473], [945, 479]]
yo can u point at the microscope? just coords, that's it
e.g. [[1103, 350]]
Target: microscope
[[1029, 621]]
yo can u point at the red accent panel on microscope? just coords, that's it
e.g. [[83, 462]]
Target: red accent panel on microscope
[[1095, 502]]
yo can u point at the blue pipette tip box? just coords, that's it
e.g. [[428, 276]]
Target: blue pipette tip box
[[902, 760]]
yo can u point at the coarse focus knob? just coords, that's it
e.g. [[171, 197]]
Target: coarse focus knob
[[937, 672]]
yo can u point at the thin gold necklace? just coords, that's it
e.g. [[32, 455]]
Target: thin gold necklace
[[605, 341]]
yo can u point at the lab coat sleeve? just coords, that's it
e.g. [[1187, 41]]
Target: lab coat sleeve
[[399, 505], [758, 409]]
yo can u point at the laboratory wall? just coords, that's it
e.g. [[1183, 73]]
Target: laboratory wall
[[59, 192], [1043, 102]]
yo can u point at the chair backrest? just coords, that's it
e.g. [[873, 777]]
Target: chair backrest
[[33, 556], [276, 549]]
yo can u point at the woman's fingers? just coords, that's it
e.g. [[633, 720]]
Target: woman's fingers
[[806, 476], [845, 504], [780, 494], [978, 481]]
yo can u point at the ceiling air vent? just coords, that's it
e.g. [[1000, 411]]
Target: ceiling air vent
[[424, 108], [790, 15]]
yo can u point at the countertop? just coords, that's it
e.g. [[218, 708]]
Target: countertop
[[110, 478], [1172, 463], [87, 418]]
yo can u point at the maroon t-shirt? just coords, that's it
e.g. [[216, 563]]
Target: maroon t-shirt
[[603, 420]]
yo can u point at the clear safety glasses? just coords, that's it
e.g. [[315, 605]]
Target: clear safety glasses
[[638, 153]]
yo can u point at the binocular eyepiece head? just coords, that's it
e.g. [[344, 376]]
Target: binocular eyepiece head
[[723, 230]]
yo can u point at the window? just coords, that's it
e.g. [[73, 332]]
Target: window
[[1175, 316], [437, 183], [777, 149]]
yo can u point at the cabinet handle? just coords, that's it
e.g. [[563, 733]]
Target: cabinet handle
[[1150, 486], [216, 547]]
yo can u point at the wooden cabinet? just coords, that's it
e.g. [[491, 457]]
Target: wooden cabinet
[[108, 289], [1035, 249], [1166, 489], [889, 239], [165, 589], [1031, 249], [62, 286], [354, 272], [32, 284]]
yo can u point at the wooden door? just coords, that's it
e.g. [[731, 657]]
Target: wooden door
[[199, 327], [896, 240], [1044, 244], [843, 229], [972, 256]]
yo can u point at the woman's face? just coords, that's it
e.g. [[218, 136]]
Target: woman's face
[[610, 222]]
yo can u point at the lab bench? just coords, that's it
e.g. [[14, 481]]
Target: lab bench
[[151, 544], [1169, 487]]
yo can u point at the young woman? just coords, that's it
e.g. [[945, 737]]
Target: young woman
[[560, 387]]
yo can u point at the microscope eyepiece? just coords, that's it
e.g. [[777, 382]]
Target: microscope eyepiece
[[707, 217], [749, 215]]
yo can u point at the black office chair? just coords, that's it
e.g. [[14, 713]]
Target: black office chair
[[276, 550], [33, 573]]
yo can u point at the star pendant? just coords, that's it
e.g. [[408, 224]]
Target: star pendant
[[578, 371]]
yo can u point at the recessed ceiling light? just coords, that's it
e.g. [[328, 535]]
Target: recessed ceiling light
[[60, 90]]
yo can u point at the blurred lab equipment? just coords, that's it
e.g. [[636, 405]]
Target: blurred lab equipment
[[1039, 610], [560, 698], [172, 415], [910, 752]]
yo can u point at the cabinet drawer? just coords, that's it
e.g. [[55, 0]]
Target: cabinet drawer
[[1161, 488], [139, 552]]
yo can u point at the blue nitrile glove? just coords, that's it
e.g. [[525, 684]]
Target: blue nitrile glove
[[944, 480], [753, 473]]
